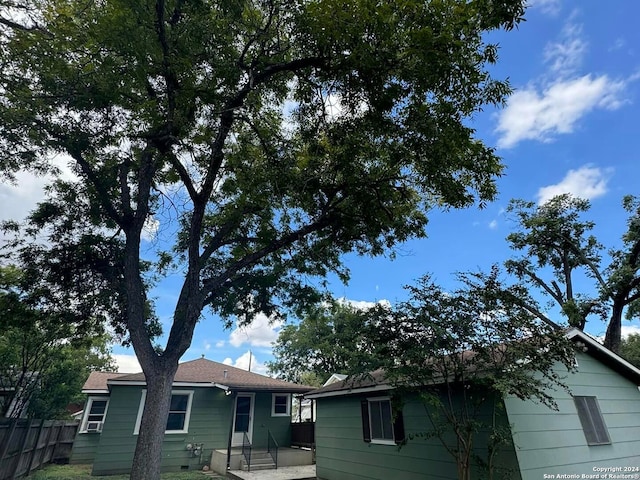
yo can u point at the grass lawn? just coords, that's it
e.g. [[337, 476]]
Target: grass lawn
[[83, 472]]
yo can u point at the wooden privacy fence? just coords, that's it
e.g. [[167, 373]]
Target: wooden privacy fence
[[27, 444], [303, 434]]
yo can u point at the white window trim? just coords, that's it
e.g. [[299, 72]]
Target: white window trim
[[381, 441], [87, 409], [273, 405], [187, 415]]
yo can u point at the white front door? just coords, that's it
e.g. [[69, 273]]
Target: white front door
[[243, 418]]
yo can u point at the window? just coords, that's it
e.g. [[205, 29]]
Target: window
[[379, 424], [595, 431], [280, 405], [179, 412], [95, 411]]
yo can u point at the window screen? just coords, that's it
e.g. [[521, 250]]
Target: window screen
[[595, 430]]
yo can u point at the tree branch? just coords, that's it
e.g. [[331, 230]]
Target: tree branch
[[103, 195]]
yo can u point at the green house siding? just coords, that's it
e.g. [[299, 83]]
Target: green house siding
[[111, 452], [209, 424], [280, 427], [553, 442], [342, 454], [85, 447]]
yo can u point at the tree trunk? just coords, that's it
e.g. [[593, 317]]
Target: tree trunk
[[613, 337], [464, 457], [147, 459]]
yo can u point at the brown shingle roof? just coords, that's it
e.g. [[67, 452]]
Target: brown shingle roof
[[209, 372], [97, 381]]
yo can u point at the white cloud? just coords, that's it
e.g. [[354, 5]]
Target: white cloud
[[550, 7], [245, 361], [585, 182], [21, 197], [566, 55], [127, 363], [261, 332], [534, 115], [150, 229], [220, 343], [493, 224], [553, 104], [630, 330], [362, 304]]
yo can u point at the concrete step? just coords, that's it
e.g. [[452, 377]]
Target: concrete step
[[259, 461], [255, 468]]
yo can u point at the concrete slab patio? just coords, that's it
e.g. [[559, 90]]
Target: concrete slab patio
[[303, 472]]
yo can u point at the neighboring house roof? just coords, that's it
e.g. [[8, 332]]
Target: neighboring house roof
[[335, 377], [207, 373], [375, 381], [97, 381], [370, 382]]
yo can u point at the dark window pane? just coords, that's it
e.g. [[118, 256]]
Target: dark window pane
[[242, 423], [381, 420], [175, 421], [243, 405], [179, 403], [376, 420], [97, 410], [280, 404], [98, 407], [387, 427]]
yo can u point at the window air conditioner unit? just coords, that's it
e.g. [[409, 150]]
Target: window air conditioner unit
[[94, 426]]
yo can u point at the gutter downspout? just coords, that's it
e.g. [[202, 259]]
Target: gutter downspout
[[233, 411]]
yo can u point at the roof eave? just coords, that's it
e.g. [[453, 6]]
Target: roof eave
[[607, 357], [263, 388], [350, 391]]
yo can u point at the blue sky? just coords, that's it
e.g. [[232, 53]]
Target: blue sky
[[571, 125]]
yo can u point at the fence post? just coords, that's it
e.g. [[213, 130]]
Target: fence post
[[21, 450], [60, 424], [7, 439], [35, 447]]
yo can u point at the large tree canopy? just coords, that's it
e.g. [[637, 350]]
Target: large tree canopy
[[556, 250], [263, 138]]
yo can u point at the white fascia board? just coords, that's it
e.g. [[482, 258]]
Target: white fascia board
[[124, 382], [96, 392], [574, 332], [175, 384], [351, 391]]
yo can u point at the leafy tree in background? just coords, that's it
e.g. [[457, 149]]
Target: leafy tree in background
[[44, 358], [256, 141], [622, 287], [630, 349], [61, 383], [557, 249], [329, 339]]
